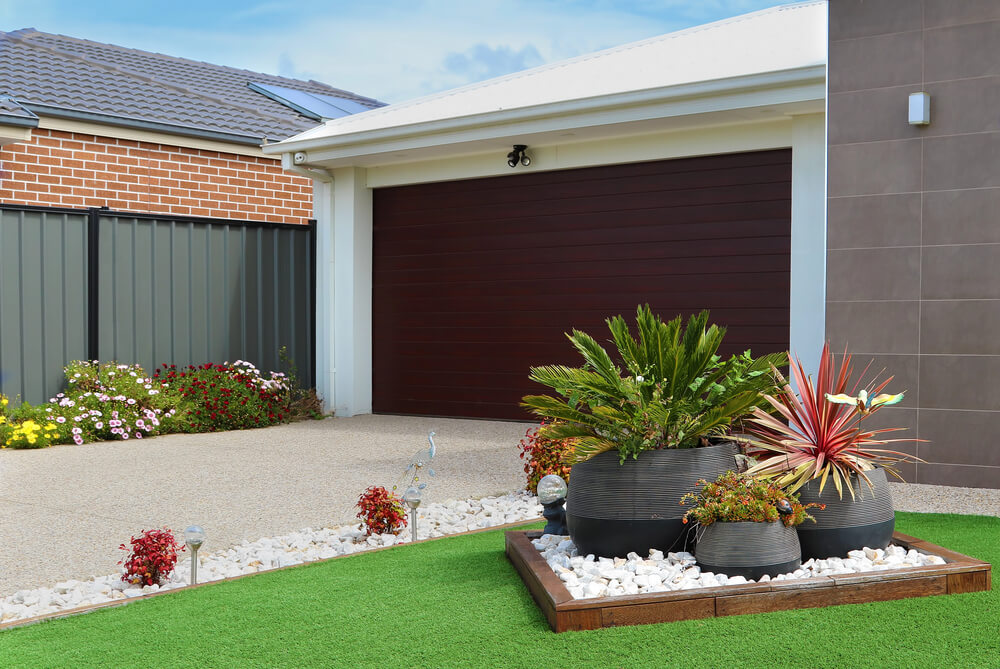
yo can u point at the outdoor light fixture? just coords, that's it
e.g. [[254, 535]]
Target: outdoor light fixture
[[552, 495], [194, 537], [518, 156], [412, 499], [920, 108]]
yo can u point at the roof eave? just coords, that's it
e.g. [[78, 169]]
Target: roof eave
[[14, 133], [141, 124], [804, 83]]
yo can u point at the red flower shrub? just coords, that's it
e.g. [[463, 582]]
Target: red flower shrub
[[152, 557], [382, 512], [233, 396], [543, 456]]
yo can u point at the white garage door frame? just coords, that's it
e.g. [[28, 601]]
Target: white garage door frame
[[344, 236]]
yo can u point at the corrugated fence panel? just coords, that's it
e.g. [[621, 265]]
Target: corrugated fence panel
[[185, 291], [190, 292], [43, 300]]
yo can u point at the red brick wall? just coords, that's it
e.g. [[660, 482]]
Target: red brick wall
[[67, 169]]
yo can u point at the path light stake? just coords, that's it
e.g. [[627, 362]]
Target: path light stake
[[194, 537], [412, 499]]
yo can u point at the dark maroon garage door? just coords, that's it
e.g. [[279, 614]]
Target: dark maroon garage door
[[475, 281]]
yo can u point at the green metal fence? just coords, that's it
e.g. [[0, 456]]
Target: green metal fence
[[106, 285]]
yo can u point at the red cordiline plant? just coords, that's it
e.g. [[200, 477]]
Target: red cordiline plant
[[740, 498], [381, 511], [822, 439], [151, 558], [544, 455]]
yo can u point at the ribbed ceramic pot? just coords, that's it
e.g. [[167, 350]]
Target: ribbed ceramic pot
[[847, 524], [614, 509], [749, 550]]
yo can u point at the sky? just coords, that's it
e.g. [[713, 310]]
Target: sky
[[391, 50]]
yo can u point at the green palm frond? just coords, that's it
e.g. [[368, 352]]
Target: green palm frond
[[595, 356], [676, 388]]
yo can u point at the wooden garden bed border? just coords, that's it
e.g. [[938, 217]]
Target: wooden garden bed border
[[961, 573]]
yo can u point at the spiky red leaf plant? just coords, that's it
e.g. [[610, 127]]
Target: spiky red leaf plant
[[818, 439]]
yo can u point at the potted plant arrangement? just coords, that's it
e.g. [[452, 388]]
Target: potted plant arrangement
[[643, 437], [817, 437], [746, 526]]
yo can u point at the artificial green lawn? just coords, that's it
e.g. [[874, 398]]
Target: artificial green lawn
[[457, 602]]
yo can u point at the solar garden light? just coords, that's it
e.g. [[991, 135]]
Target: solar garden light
[[552, 495], [194, 537], [412, 499]]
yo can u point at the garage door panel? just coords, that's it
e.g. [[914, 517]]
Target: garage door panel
[[497, 213], [556, 319], [740, 255], [544, 335], [534, 296], [691, 222], [682, 187], [405, 254], [477, 281], [662, 175], [588, 245]]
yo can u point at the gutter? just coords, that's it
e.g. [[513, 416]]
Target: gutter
[[18, 121]]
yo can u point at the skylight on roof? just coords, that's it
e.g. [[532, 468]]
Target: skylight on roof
[[314, 105]]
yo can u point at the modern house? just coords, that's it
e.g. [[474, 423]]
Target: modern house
[[772, 167], [86, 124]]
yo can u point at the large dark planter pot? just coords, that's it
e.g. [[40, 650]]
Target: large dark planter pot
[[749, 550], [614, 509], [847, 524]]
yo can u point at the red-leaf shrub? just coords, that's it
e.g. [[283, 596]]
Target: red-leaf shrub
[[382, 512], [543, 456], [152, 557]]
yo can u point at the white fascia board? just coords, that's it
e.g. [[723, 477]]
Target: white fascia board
[[786, 86], [12, 134]]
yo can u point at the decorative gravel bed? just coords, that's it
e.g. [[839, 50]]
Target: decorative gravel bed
[[307, 545], [586, 577]]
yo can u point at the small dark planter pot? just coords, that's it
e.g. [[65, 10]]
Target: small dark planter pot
[[614, 509], [750, 550], [847, 524]]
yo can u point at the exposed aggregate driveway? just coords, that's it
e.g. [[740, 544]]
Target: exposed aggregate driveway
[[64, 510]]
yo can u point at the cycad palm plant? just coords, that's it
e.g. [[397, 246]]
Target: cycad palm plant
[[677, 391]]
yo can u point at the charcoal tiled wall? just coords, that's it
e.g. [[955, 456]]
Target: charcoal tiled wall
[[913, 276]]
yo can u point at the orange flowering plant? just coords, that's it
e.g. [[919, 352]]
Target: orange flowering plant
[[741, 498]]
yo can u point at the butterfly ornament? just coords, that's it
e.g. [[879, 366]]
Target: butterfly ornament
[[865, 404]]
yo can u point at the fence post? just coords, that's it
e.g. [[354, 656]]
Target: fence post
[[93, 258]]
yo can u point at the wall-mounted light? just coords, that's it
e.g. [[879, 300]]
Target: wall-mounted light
[[518, 156], [920, 108]]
